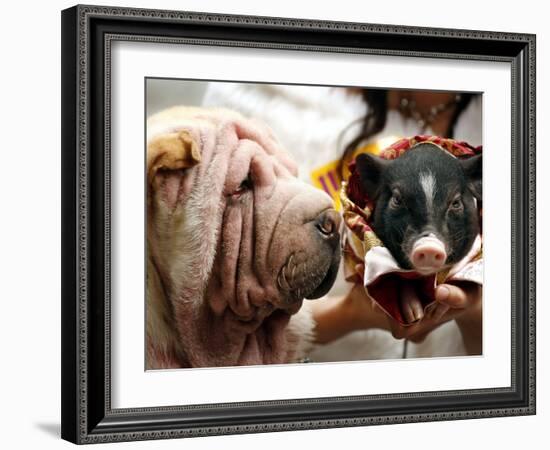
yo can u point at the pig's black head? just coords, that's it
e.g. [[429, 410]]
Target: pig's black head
[[425, 212]]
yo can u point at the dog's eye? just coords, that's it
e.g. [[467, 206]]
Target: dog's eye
[[246, 185]]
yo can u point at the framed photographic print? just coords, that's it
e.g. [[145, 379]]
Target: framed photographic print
[[282, 224]]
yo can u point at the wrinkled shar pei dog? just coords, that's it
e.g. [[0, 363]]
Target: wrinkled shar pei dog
[[235, 243]]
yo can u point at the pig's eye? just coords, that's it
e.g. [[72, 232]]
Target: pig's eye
[[246, 185], [456, 204], [396, 201]]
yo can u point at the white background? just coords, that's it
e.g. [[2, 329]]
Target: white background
[[30, 225]]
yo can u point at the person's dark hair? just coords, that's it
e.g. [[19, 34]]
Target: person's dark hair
[[374, 121]]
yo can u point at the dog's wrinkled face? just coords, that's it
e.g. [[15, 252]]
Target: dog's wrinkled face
[[238, 242], [278, 242]]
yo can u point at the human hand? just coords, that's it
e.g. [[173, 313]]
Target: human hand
[[460, 301], [336, 317]]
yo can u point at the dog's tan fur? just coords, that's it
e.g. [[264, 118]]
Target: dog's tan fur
[[191, 318]]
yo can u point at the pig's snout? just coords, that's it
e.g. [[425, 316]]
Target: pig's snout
[[428, 255]]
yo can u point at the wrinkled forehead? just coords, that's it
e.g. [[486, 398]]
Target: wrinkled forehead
[[262, 165], [231, 146]]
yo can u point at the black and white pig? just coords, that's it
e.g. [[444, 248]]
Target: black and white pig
[[425, 205]]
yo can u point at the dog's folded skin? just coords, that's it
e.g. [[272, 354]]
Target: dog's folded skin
[[235, 243]]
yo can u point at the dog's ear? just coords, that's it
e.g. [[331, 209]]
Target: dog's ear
[[169, 157]]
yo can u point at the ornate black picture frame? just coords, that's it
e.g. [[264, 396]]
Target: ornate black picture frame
[[87, 35]]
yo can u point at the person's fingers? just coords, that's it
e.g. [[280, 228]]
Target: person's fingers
[[406, 310], [450, 301], [439, 311], [398, 331], [418, 309], [451, 295], [419, 337], [411, 307], [415, 302]]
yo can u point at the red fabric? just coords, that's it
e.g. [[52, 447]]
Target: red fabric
[[386, 291]]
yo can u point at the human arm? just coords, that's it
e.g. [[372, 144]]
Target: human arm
[[337, 316]]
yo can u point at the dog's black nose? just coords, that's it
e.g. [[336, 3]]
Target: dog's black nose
[[328, 223]]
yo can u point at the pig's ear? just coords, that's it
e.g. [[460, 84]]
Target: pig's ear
[[370, 169], [473, 169], [169, 157]]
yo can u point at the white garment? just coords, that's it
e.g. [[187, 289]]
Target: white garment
[[314, 124]]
